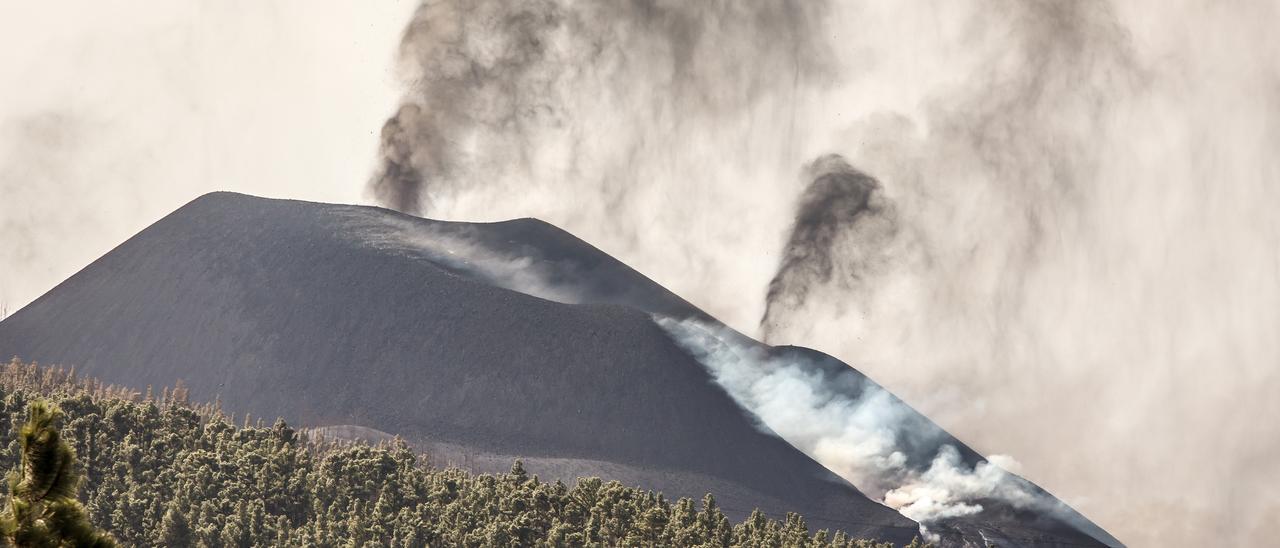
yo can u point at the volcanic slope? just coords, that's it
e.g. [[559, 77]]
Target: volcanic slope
[[476, 342]]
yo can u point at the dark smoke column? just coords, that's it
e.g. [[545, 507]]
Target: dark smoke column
[[496, 91], [838, 202], [398, 184]]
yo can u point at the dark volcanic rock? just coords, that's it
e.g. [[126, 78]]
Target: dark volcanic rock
[[477, 342]]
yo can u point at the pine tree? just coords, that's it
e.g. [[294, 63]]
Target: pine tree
[[795, 532], [175, 530], [43, 510]]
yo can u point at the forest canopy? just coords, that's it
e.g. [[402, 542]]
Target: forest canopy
[[161, 471]]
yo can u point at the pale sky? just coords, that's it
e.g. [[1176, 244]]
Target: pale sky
[[113, 114]]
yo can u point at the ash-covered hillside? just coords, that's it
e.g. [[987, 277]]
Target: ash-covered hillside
[[481, 343]]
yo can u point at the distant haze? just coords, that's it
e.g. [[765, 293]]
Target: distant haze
[[1083, 270]]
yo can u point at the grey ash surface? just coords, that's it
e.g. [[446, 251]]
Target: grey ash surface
[[360, 319]]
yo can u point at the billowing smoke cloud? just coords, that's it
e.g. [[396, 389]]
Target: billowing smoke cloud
[[613, 120], [840, 223], [1080, 219], [1083, 196]]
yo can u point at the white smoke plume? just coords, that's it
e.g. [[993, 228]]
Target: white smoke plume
[[860, 432], [1086, 249], [948, 488]]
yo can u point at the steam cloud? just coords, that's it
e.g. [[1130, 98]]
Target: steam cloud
[[841, 205], [1083, 233]]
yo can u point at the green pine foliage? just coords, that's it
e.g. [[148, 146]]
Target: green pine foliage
[[160, 471], [43, 510]]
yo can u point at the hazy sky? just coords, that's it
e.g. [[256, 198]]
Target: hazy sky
[[112, 114]]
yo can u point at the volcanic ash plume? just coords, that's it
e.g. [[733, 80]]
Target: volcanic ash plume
[[505, 93], [841, 205], [399, 182]]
